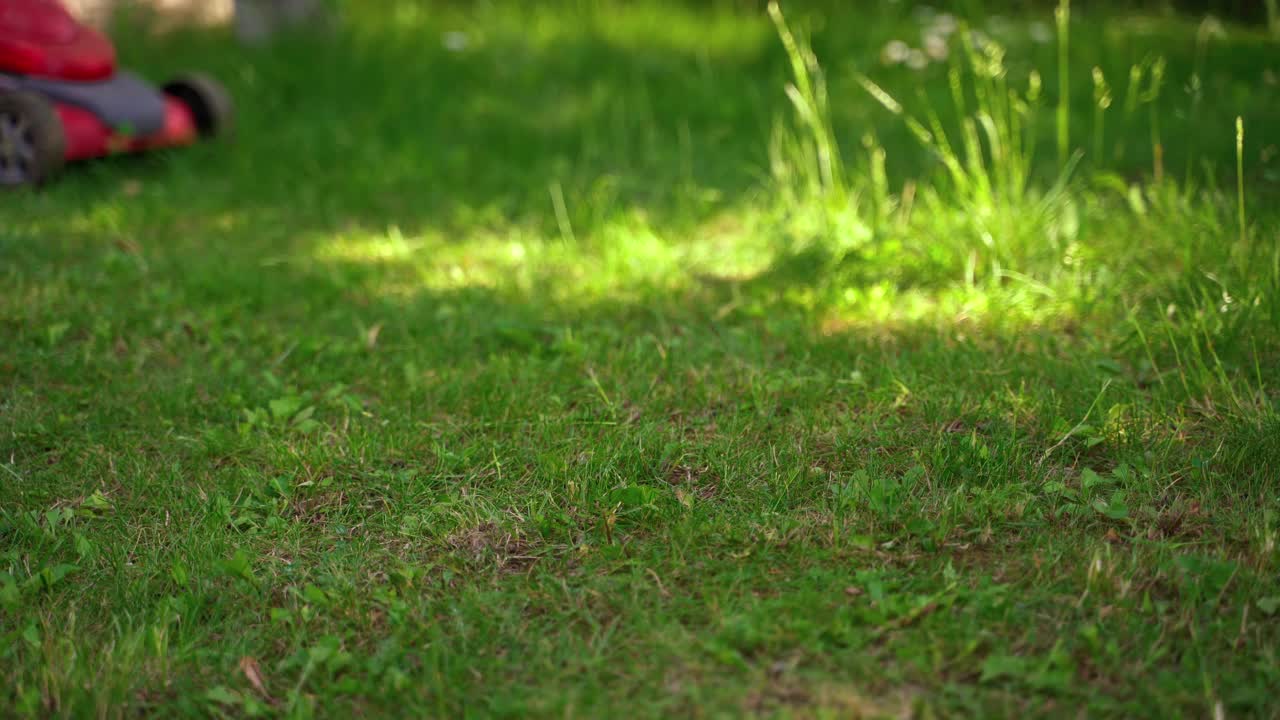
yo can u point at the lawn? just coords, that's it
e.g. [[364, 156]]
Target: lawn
[[553, 360]]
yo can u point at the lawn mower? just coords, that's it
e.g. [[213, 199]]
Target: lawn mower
[[62, 99]]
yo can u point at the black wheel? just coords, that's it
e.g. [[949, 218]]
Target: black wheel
[[32, 143], [209, 102]]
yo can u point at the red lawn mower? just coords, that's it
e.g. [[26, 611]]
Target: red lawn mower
[[62, 98]]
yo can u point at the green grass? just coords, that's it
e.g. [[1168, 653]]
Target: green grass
[[588, 371]]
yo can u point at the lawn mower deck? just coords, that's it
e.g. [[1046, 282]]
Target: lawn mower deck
[[62, 98]]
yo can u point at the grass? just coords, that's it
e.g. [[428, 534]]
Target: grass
[[586, 368]]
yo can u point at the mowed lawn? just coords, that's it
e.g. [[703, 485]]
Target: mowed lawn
[[549, 360]]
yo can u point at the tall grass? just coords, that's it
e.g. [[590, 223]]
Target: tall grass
[[806, 161], [986, 213], [1063, 17], [986, 218], [1101, 103], [808, 95], [1244, 228], [1152, 98]]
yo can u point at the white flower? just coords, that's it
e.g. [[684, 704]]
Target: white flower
[[935, 46], [895, 53], [917, 60], [945, 23], [1212, 27], [455, 41]]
